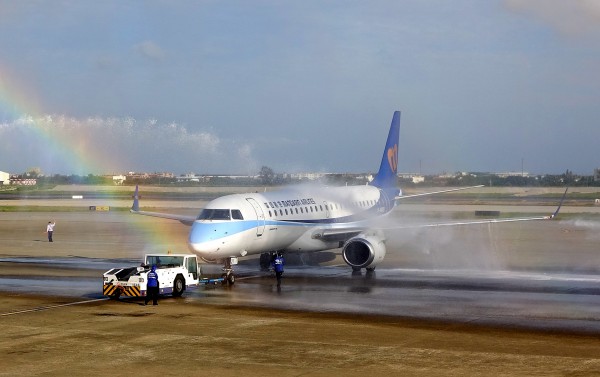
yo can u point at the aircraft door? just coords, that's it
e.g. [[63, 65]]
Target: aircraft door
[[260, 215], [327, 213]]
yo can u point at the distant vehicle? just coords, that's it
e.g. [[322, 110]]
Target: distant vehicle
[[176, 273], [306, 219]]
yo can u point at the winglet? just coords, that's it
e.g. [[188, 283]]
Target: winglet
[[136, 200], [386, 176], [560, 204]]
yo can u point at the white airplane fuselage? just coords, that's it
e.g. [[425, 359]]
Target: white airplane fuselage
[[285, 220]]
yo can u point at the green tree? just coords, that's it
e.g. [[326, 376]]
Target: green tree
[[33, 172], [266, 175]]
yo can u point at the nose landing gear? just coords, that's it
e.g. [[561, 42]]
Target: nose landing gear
[[228, 275]]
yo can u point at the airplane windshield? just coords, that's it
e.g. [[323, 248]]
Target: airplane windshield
[[214, 214]]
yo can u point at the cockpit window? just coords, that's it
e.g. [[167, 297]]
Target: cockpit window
[[236, 214], [214, 214], [220, 214]]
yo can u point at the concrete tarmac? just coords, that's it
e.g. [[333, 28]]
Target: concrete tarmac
[[506, 299]]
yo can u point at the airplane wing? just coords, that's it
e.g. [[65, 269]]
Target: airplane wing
[[436, 192], [344, 234], [333, 235], [135, 208], [488, 221]]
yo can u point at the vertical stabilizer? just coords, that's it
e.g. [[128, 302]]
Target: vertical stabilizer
[[386, 176]]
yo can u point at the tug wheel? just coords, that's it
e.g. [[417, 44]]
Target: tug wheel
[[178, 286]]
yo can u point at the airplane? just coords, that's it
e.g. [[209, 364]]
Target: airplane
[[307, 219]]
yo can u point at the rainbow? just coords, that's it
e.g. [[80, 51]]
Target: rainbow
[[20, 108]]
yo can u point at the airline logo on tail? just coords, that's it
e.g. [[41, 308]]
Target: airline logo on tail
[[392, 156], [386, 176]]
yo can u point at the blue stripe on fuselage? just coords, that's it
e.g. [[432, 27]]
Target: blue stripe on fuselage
[[209, 231]]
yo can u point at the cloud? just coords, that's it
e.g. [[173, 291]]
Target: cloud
[[573, 17], [150, 50], [67, 145]]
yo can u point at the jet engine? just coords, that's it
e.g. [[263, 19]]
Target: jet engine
[[364, 252]]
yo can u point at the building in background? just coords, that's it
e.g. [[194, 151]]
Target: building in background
[[4, 178]]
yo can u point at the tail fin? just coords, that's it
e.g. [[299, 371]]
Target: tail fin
[[386, 177]]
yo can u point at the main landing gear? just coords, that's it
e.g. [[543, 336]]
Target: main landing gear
[[357, 271], [266, 260]]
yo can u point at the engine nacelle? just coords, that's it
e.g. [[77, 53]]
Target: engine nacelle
[[364, 251]]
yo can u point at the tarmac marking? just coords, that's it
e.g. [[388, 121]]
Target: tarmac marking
[[42, 308], [249, 277]]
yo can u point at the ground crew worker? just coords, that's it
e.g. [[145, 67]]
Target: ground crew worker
[[50, 229], [278, 266], [152, 292]]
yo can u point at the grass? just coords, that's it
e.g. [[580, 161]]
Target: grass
[[12, 208]]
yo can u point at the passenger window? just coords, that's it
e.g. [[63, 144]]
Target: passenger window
[[270, 214], [266, 205], [286, 212]]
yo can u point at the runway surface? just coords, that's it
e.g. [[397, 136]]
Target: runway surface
[[534, 300]]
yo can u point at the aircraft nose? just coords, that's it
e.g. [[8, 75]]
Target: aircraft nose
[[202, 232], [206, 238]]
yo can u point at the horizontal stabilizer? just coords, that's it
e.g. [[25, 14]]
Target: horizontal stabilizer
[[135, 208]]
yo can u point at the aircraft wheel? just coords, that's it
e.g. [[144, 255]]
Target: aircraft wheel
[[231, 279], [178, 286], [370, 269], [265, 261]]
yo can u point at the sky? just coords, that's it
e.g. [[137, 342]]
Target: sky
[[225, 87]]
